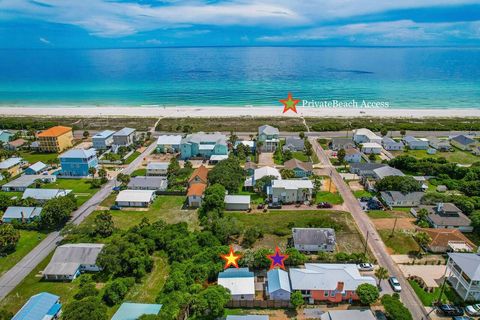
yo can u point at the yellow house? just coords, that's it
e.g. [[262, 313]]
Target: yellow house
[[12, 166], [55, 139]]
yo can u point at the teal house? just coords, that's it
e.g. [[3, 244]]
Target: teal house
[[300, 168], [77, 162], [133, 311], [203, 145], [5, 136]]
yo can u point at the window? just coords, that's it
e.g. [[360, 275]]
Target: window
[[332, 294], [326, 293]]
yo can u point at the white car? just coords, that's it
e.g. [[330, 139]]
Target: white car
[[365, 267], [473, 310], [395, 284]]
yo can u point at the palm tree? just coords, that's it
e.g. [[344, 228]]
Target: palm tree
[[92, 171], [381, 274], [423, 240]]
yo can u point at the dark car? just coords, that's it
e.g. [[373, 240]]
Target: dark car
[[274, 206], [115, 207], [380, 315], [325, 205], [450, 310]]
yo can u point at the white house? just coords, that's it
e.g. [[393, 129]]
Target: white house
[[365, 135], [135, 198], [386, 171], [353, 155], [169, 143], [463, 274], [157, 168], [371, 147], [290, 191], [416, 144], [391, 145], [44, 194], [268, 136], [237, 202], [103, 140], [278, 285], [398, 199], [240, 282]]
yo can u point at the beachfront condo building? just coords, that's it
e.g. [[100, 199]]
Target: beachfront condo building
[[55, 139], [203, 145], [77, 162]]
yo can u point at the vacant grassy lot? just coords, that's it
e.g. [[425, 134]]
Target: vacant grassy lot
[[28, 241], [277, 225], [132, 157], [330, 197], [458, 156], [396, 213], [400, 242], [33, 157], [81, 188], [362, 193], [139, 172]]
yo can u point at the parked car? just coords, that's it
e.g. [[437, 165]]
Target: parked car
[[450, 310], [365, 267], [115, 207], [462, 318], [324, 205], [473, 310], [274, 206], [380, 315], [395, 284]]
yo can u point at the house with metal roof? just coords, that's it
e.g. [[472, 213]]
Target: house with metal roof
[[371, 147], [300, 168], [21, 214], [135, 198], [5, 136], [365, 314], [416, 143], [463, 142], [353, 155], [42, 306], [169, 143], [266, 172], [203, 145], [365, 169], [70, 260], [237, 202], [157, 168], [463, 275], [11, 165], [148, 183], [341, 143], [268, 136], [364, 135], [248, 317], [445, 216], [133, 311], [314, 239], [386, 171], [23, 182], [278, 285], [43, 195], [124, 137], [290, 191], [391, 145], [36, 168], [103, 140], [239, 281], [77, 162], [328, 282], [439, 144], [294, 144], [399, 199]]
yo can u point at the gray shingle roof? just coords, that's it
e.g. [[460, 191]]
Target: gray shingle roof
[[313, 236], [464, 140], [268, 130]]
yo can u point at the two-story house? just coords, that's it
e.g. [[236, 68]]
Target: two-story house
[[366, 135], [196, 186], [268, 137], [290, 191], [124, 138], [77, 162], [203, 145], [463, 274], [103, 140]]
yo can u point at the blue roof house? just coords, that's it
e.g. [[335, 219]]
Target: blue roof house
[[248, 317], [278, 285], [103, 140], [133, 311], [27, 214], [203, 145], [42, 306], [36, 168], [5, 136], [76, 162]]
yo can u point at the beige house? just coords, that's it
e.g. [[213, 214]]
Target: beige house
[[55, 139], [290, 191]]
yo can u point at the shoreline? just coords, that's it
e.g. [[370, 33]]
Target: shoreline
[[246, 111]]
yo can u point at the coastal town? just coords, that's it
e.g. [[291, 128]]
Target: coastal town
[[130, 223]]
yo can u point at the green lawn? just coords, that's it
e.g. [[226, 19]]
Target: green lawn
[[81, 188], [28, 241], [300, 155], [255, 198], [396, 213], [330, 197], [458, 156], [33, 157], [400, 242], [139, 172], [427, 298], [362, 193], [132, 157]]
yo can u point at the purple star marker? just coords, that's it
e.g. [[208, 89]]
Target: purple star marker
[[277, 259]]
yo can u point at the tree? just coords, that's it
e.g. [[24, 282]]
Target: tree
[[86, 134], [5, 315], [250, 236], [86, 309], [404, 184], [395, 308], [210, 303], [102, 173], [287, 173], [233, 138], [188, 165], [301, 135], [57, 211], [371, 157], [262, 183], [124, 179], [5, 201], [403, 132], [384, 132], [295, 257], [228, 173], [287, 154], [173, 167], [103, 224], [367, 293], [423, 239], [9, 237], [117, 290], [296, 299], [92, 171], [213, 200], [341, 155], [381, 274]]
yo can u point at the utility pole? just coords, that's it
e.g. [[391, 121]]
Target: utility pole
[[366, 243], [394, 225]]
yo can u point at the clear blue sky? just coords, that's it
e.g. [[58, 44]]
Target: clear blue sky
[[153, 23]]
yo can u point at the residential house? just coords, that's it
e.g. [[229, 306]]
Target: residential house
[[42, 306], [21, 214], [463, 142], [36, 168], [386, 171], [300, 168], [134, 311], [239, 281], [157, 168], [203, 145], [124, 138], [70, 260], [21, 183], [199, 175], [248, 317], [43, 195], [448, 240], [360, 314], [353, 155], [148, 183], [365, 135], [342, 143], [259, 173], [216, 158], [77, 162], [391, 145], [439, 144], [416, 144], [371, 147], [5, 136], [169, 143], [237, 202], [445, 216], [463, 274], [278, 285], [250, 144], [294, 144], [290, 191], [250, 167], [16, 144], [399, 199], [365, 169], [55, 139], [197, 183], [314, 239], [12, 166], [103, 140], [135, 198], [423, 181], [269, 137], [328, 282], [476, 150]]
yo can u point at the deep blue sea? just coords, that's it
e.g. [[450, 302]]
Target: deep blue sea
[[238, 76]]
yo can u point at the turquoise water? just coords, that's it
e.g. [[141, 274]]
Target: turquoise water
[[226, 76]]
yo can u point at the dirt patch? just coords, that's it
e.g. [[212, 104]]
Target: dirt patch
[[328, 185], [388, 223], [265, 159], [355, 186]]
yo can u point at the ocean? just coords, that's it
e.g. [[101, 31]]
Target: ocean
[[241, 76]]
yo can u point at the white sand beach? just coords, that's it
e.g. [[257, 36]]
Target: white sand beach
[[216, 111]]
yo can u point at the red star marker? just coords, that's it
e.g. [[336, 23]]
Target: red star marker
[[289, 103], [277, 259], [230, 258]]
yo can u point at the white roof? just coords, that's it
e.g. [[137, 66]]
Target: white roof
[[248, 143], [218, 157], [135, 195], [366, 132], [237, 199], [169, 140], [371, 145], [268, 130], [44, 194], [469, 263], [10, 162], [348, 315], [157, 166], [238, 281], [292, 184], [16, 212], [37, 166], [266, 171], [124, 132], [318, 276], [387, 171], [67, 258]]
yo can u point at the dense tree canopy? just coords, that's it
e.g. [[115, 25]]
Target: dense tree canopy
[[9, 237], [404, 184], [395, 308], [56, 212], [86, 309], [228, 173], [367, 293]]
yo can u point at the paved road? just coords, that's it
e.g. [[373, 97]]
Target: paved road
[[16, 274], [375, 243]]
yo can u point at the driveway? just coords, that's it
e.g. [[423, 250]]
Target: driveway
[[266, 159], [432, 275]]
